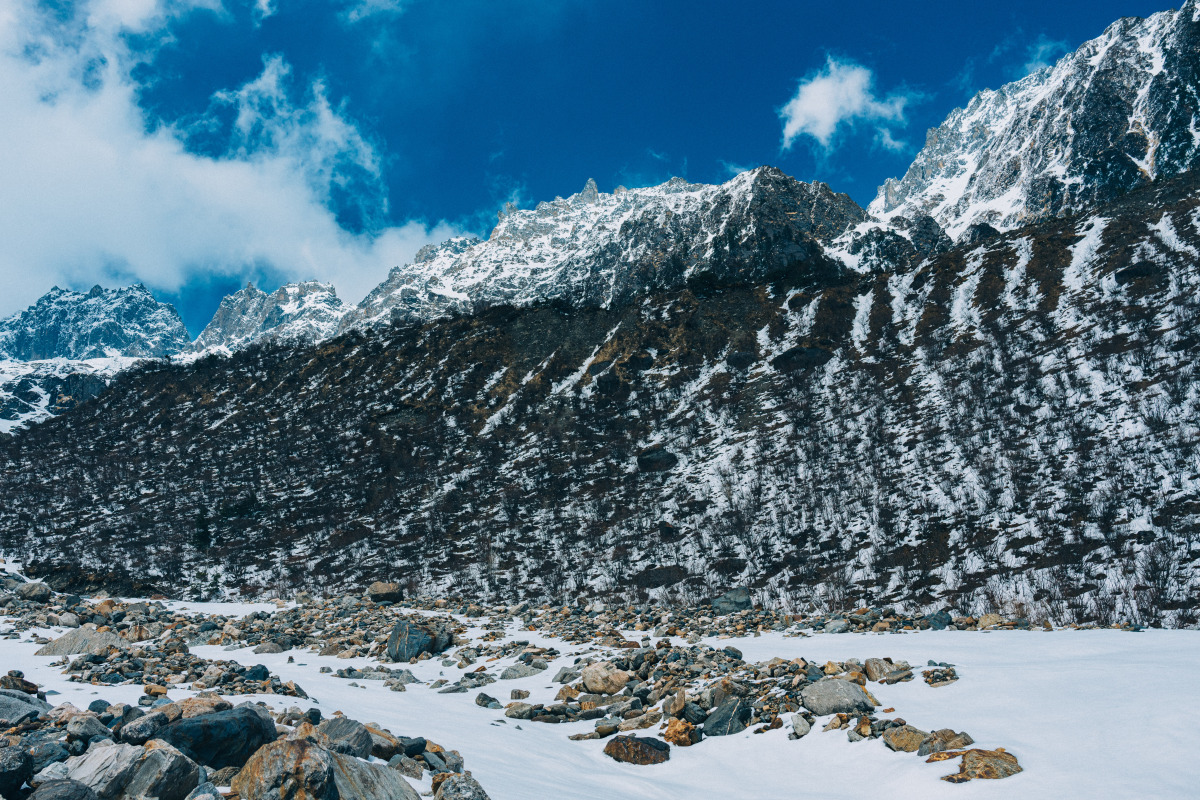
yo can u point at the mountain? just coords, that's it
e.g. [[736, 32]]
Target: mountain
[[308, 311], [1118, 113], [101, 323], [595, 249]]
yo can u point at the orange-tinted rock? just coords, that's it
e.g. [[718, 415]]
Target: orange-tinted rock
[[637, 750], [985, 764], [681, 732]]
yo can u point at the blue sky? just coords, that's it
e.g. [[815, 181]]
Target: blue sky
[[195, 144]]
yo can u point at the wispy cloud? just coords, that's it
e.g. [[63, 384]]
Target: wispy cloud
[[359, 10], [838, 96], [1043, 52], [94, 192]]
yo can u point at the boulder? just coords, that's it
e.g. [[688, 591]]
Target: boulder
[[84, 640], [520, 670], [205, 791], [733, 601], [604, 678], [383, 745], [65, 789], [105, 768], [363, 781], [460, 787], [944, 739], [202, 704], [732, 716], [288, 769], [85, 727], [800, 725], [46, 753], [637, 750], [385, 592], [347, 736], [268, 647], [409, 639], [835, 696], [904, 739], [15, 680], [221, 739], [14, 711], [681, 732], [163, 773], [16, 767], [34, 592], [143, 729], [985, 764]]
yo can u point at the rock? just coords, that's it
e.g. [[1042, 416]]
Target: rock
[[681, 732], [15, 680], [460, 787], [383, 745], [14, 711], [519, 711], [105, 767], [202, 704], [986, 764], [409, 767], [800, 725], [837, 626], [16, 767], [223, 776], [835, 696], [68, 620], [944, 739], [410, 639], [85, 727], [604, 678], [164, 773], [205, 791], [940, 620], [288, 769], [268, 647], [142, 729], [733, 601], [34, 592], [222, 739], [362, 781], [84, 640], [566, 675], [637, 750], [65, 789], [904, 739], [673, 705], [347, 736], [877, 669], [987, 621], [385, 592], [46, 753], [732, 716], [520, 670]]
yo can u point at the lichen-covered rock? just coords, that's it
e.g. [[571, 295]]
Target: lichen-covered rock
[[905, 738], [637, 750], [16, 767], [460, 787], [835, 696], [604, 678], [288, 769], [65, 789], [984, 764]]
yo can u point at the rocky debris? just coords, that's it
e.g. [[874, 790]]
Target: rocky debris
[[348, 736], [944, 739], [637, 750], [940, 676], [986, 764], [411, 638], [604, 678], [835, 696], [221, 739], [681, 733], [16, 767]]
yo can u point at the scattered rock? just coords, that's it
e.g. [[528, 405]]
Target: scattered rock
[[84, 640], [460, 787], [835, 696], [288, 769], [732, 716], [732, 601], [65, 789], [681, 732], [604, 678], [905, 738], [222, 739], [637, 750], [985, 764], [385, 592], [410, 639]]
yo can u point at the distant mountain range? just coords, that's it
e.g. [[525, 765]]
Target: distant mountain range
[[978, 393]]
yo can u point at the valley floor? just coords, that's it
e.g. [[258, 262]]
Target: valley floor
[[1089, 714]]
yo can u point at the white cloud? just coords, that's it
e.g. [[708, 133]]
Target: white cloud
[[1043, 53], [841, 93], [358, 10], [91, 194]]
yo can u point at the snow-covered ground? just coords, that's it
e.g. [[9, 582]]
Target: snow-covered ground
[[1089, 714]]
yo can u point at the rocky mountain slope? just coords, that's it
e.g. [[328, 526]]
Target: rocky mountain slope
[[1011, 424], [308, 311], [1118, 113]]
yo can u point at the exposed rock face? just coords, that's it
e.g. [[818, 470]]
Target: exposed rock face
[[596, 249], [307, 312], [100, 324], [1119, 112]]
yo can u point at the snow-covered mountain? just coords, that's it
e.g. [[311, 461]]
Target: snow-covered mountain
[[102, 323], [600, 249], [308, 311], [1121, 111]]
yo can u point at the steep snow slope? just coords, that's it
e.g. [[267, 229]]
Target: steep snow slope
[[31, 391], [597, 249], [308, 311], [100, 324], [1121, 111]]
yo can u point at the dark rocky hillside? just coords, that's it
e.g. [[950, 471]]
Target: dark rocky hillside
[[1012, 424]]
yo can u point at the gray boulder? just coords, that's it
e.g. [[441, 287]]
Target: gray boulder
[[410, 639], [460, 787], [732, 716], [800, 726], [34, 592], [84, 640], [143, 729], [105, 768], [85, 727], [164, 773], [222, 739], [205, 791], [65, 789], [835, 696], [347, 736], [362, 781], [16, 767], [732, 601], [385, 592], [520, 670], [288, 769], [14, 711]]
